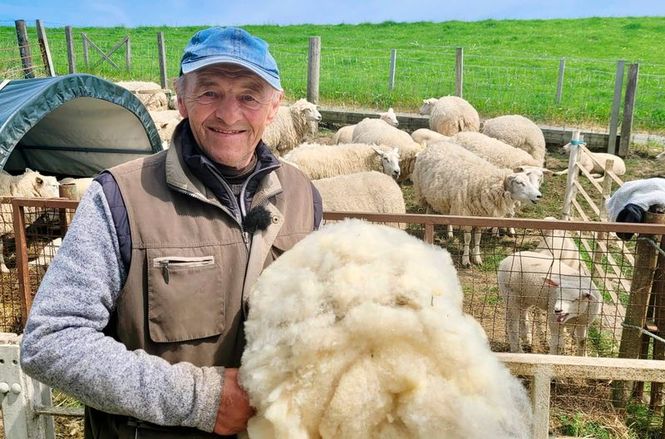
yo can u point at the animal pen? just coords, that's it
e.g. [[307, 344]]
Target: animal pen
[[611, 386]]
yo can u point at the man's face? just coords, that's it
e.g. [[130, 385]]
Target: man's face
[[228, 114]]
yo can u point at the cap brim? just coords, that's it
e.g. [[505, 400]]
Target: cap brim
[[266, 76]]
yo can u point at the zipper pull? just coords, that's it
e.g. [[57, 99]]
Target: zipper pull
[[165, 271]]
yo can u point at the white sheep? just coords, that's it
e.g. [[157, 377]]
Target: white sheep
[[451, 114], [29, 184], [165, 122], [345, 133], [568, 296], [371, 191], [495, 151], [425, 136], [150, 94], [81, 185], [519, 132], [452, 180], [290, 126], [358, 332], [46, 254], [322, 161], [378, 132], [586, 162]]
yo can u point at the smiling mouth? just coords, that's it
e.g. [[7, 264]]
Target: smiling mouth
[[227, 131]]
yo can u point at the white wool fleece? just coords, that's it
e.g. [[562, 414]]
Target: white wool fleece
[[358, 332]]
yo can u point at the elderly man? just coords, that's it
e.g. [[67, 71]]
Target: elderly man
[[141, 313]]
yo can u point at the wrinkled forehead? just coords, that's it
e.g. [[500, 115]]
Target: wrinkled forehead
[[228, 75]]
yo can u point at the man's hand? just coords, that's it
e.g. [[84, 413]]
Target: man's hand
[[234, 409]]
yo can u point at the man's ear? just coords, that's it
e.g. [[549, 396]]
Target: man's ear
[[274, 106], [181, 106]]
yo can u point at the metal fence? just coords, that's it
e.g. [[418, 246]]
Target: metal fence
[[579, 92]]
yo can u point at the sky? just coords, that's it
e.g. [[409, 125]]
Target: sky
[[133, 13]]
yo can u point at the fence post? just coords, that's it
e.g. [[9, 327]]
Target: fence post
[[20, 395], [628, 109], [636, 311], [313, 69], [616, 105], [602, 211], [459, 72], [559, 82], [128, 53], [44, 49], [163, 79], [658, 293], [71, 58], [86, 55], [573, 171], [393, 62], [24, 49]]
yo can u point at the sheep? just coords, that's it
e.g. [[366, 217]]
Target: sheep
[[166, 121], [425, 136], [151, 94], [454, 181], [370, 191], [29, 184], [495, 151], [568, 296], [80, 185], [358, 332], [345, 133], [519, 132], [586, 162], [378, 132], [290, 126], [451, 114], [46, 254], [322, 161]]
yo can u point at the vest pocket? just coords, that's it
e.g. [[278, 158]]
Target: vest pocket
[[185, 297]]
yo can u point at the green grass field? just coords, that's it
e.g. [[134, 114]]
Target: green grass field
[[510, 66]]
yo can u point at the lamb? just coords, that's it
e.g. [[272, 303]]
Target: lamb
[[370, 191], [290, 126], [451, 114], [322, 161], [378, 132], [80, 185], [29, 184], [150, 94], [425, 136], [454, 181], [619, 167], [345, 133], [568, 296], [519, 132], [495, 151], [166, 121], [358, 332]]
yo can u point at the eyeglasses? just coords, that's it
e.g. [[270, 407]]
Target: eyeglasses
[[247, 100]]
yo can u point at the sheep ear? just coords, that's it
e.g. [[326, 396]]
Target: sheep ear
[[377, 150], [550, 283], [396, 149], [547, 171]]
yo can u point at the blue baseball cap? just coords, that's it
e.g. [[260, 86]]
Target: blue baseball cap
[[230, 45]]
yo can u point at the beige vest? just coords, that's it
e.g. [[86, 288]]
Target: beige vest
[[191, 266]]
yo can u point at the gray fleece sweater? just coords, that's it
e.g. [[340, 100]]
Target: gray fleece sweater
[[64, 346]]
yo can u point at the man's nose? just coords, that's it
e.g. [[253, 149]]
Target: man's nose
[[228, 110]]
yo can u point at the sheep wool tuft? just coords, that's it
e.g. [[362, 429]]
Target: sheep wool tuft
[[358, 332]]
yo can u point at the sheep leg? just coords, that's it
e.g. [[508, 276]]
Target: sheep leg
[[580, 339], [525, 334], [450, 231], [477, 234], [556, 337], [3, 266], [465, 254], [513, 323]]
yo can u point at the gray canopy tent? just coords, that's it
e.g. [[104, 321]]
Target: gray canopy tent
[[73, 125]]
